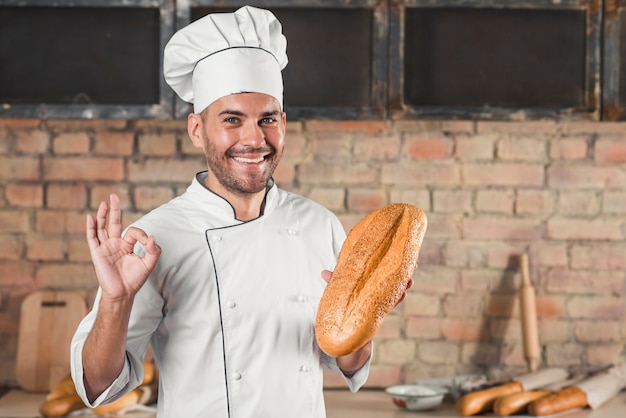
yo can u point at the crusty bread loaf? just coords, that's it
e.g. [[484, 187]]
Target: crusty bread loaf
[[565, 399], [482, 400], [518, 402], [61, 406], [374, 266]]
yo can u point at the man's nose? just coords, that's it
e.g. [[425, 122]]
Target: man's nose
[[253, 135]]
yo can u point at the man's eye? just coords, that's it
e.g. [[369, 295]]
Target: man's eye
[[231, 120], [268, 120]]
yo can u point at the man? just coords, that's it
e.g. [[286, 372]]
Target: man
[[227, 298]]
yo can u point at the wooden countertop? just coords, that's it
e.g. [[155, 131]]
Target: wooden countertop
[[339, 404]]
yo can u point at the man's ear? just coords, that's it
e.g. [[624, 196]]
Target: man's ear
[[194, 129]]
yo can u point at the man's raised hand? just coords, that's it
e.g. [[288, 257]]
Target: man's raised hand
[[120, 271]]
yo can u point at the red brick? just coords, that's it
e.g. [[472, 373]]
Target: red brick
[[366, 200], [18, 273], [391, 327], [366, 127], [14, 221], [421, 304], [160, 144], [102, 193], [285, 174], [19, 168], [550, 306], [335, 148], [78, 250], [24, 195], [554, 330], [423, 174], [75, 125], [66, 196], [507, 330], [148, 198], [500, 174], [377, 148], [435, 280], [187, 147], [502, 305], [461, 329], [479, 147], [564, 354], [424, 328], [579, 203], [597, 331], [442, 227], [32, 141], [66, 276], [466, 305], [490, 228], [381, 376], [592, 127], [60, 222], [614, 203], [333, 174], [11, 247], [584, 282], [295, 145], [606, 355], [330, 197], [610, 150], [84, 169], [548, 254], [582, 229], [534, 202], [452, 201], [41, 248], [428, 147], [569, 148], [114, 143], [521, 149], [420, 198], [495, 201], [438, 352], [580, 176], [159, 170], [596, 307], [598, 256], [71, 143], [547, 127], [485, 280]]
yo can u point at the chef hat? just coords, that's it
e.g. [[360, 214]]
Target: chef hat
[[226, 53]]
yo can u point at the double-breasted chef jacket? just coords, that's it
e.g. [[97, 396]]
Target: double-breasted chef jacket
[[229, 311]]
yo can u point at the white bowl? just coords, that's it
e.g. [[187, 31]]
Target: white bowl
[[416, 397]]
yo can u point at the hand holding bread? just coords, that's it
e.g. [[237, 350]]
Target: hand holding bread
[[373, 271]]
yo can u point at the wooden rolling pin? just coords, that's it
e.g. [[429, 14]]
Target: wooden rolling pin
[[528, 313]]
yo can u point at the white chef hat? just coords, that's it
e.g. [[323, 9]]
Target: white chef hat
[[226, 53]]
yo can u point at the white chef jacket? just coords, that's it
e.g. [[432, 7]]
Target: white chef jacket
[[229, 310]]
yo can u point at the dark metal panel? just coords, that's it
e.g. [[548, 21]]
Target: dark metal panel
[[162, 110], [399, 109]]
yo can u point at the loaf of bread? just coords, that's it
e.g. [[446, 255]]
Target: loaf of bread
[[516, 403], [375, 264], [63, 399], [565, 399], [483, 400]]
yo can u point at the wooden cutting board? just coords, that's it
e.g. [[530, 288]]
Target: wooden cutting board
[[48, 320]]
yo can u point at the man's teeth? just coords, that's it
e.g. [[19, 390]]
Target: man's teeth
[[248, 160]]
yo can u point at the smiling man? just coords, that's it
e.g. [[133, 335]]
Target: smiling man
[[224, 281]]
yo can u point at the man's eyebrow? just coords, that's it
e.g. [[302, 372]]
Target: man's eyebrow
[[231, 112]]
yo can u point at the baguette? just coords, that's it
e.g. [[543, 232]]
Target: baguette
[[129, 399], [565, 399], [517, 402], [374, 267], [61, 406], [482, 401]]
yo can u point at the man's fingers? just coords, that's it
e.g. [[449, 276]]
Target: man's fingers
[[327, 275], [115, 217], [90, 232], [101, 222], [153, 252]]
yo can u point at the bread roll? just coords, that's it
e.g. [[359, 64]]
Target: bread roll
[[374, 266], [565, 399]]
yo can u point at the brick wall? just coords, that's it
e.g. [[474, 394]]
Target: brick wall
[[492, 190]]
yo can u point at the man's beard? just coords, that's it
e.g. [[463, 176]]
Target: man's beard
[[219, 165]]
